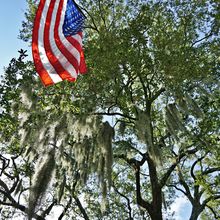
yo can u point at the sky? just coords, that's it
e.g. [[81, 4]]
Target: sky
[[11, 16]]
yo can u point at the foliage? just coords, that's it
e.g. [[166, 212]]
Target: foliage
[[127, 138]]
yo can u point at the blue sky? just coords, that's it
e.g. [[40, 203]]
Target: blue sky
[[11, 16]]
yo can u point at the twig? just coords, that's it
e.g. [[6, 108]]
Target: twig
[[127, 199]]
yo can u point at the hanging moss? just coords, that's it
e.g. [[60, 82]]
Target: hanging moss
[[104, 141], [172, 118], [193, 106], [140, 125], [104, 202], [26, 97], [145, 135], [40, 181], [61, 188], [122, 127], [172, 126], [101, 168], [176, 117], [82, 143], [182, 104]]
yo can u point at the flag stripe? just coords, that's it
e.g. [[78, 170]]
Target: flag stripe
[[53, 41], [67, 50], [76, 42], [56, 57], [55, 60], [45, 61], [40, 42], [45, 77]]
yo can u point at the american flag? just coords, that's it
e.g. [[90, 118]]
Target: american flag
[[57, 41]]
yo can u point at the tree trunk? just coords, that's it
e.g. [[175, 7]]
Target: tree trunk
[[196, 211], [156, 214], [154, 208]]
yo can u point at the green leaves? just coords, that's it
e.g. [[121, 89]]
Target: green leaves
[[151, 92]]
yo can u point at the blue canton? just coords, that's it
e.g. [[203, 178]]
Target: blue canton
[[74, 19]]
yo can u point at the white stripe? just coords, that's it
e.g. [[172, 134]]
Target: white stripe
[[62, 59], [68, 45], [78, 38], [65, 42], [42, 53]]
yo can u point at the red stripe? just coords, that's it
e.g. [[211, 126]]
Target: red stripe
[[46, 79], [64, 74], [69, 56], [75, 43], [80, 34], [82, 66]]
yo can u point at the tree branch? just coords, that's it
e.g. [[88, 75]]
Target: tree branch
[[193, 166], [92, 19], [186, 187], [114, 113], [157, 94], [145, 90], [133, 162], [213, 212], [203, 38], [101, 14], [211, 170], [4, 163], [65, 209], [48, 210], [140, 200], [136, 164], [168, 173], [21, 208], [127, 199], [177, 188], [173, 166], [82, 210], [206, 201], [16, 176], [4, 186]]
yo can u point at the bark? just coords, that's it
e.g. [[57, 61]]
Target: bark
[[154, 208], [196, 211], [81, 208], [128, 202], [156, 191]]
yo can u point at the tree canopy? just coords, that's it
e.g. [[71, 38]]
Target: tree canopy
[[140, 129]]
